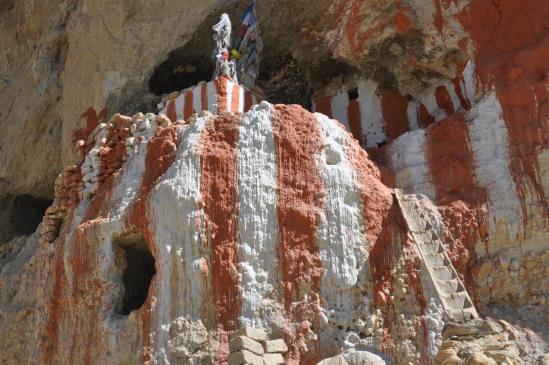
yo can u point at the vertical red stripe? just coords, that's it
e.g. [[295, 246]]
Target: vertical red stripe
[[221, 84], [56, 309], [204, 96], [235, 100], [298, 144], [444, 101], [218, 187], [188, 107], [353, 111], [172, 115], [248, 102], [512, 55], [324, 105], [380, 224], [425, 118], [161, 152], [92, 120], [394, 109], [452, 167]]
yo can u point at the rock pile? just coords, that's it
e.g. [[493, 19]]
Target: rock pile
[[477, 342], [67, 186], [251, 346]]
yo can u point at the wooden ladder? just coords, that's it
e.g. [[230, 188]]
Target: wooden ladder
[[451, 292]]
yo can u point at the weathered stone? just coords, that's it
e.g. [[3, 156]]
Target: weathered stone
[[473, 328], [276, 346], [480, 359], [445, 354], [273, 359], [245, 343], [336, 360], [353, 357], [452, 360], [544, 359], [257, 334], [245, 357]]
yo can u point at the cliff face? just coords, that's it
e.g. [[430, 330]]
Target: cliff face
[[164, 236]]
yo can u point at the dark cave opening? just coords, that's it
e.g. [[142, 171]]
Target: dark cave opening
[[139, 269], [181, 70], [282, 79], [27, 213], [290, 72], [21, 215]]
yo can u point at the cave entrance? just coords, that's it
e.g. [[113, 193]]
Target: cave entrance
[[139, 269], [21, 215], [289, 70]]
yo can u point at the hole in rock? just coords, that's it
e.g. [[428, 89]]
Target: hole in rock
[[21, 215], [139, 269], [353, 94]]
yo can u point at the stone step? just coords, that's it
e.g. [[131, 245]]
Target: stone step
[[244, 357], [463, 314], [257, 334], [431, 248], [422, 237], [442, 273], [458, 300], [450, 286], [436, 259], [245, 343]]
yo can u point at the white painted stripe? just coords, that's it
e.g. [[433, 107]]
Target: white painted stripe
[[257, 166], [429, 100], [211, 92], [241, 99], [340, 105], [129, 182], [229, 87], [407, 154], [412, 113], [468, 86], [197, 98], [489, 142], [453, 96], [370, 113], [179, 105], [340, 234], [175, 214]]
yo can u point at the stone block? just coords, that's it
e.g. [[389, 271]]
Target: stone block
[[245, 343], [445, 354], [245, 357], [273, 359], [276, 346], [257, 334], [480, 359]]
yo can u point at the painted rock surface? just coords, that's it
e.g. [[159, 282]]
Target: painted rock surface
[[265, 218], [165, 235]]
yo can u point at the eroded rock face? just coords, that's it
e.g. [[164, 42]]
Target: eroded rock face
[[452, 104], [245, 219]]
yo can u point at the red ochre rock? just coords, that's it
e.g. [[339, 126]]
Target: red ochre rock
[[277, 217], [187, 194]]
